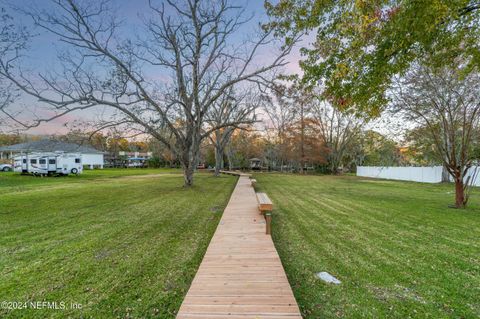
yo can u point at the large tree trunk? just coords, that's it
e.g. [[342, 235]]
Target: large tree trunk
[[190, 158], [188, 171], [459, 193], [218, 160], [445, 175], [189, 163], [333, 165], [230, 161], [460, 197]]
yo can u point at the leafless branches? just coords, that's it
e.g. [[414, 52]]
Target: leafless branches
[[189, 42], [234, 110], [338, 131], [12, 41]]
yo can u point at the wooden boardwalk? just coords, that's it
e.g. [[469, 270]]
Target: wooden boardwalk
[[241, 275]]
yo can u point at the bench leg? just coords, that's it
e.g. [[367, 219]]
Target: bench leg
[[268, 220]]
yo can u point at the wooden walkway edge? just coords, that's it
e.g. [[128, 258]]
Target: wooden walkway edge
[[241, 275]]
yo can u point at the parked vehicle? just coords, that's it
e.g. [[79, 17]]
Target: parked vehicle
[[6, 167], [49, 163], [135, 164]]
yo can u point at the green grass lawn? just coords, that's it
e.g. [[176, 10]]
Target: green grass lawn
[[10, 181], [122, 246], [396, 247]]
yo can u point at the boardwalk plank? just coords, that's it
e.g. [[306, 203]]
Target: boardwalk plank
[[241, 275]]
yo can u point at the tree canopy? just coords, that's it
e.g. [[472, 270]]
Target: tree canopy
[[360, 45]]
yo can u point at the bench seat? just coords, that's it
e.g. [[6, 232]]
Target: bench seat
[[264, 203]]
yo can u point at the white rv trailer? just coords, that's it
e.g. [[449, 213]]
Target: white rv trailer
[[49, 163]]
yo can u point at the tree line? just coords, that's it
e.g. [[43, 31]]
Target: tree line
[[415, 62]]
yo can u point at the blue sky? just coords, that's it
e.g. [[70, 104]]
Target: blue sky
[[43, 49], [45, 45]]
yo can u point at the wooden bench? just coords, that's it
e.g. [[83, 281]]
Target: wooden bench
[[265, 206], [254, 182], [264, 203]]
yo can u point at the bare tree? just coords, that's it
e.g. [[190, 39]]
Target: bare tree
[[232, 107], [188, 41], [303, 99], [447, 103], [281, 113], [289, 110], [338, 130]]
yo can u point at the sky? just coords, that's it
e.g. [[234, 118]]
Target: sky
[[42, 52]]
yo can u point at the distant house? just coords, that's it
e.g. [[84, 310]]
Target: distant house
[[90, 156]]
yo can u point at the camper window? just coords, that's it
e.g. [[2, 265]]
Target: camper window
[[51, 161], [77, 160], [33, 161], [42, 161]]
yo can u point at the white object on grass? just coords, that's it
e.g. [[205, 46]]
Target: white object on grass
[[325, 276]]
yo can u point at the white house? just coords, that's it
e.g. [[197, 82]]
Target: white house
[[90, 156]]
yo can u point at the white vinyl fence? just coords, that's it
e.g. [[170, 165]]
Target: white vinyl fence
[[429, 174]]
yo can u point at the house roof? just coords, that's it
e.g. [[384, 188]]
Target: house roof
[[49, 146]]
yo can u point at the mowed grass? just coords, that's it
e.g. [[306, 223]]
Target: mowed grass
[[10, 181], [396, 247], [121, 245]]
